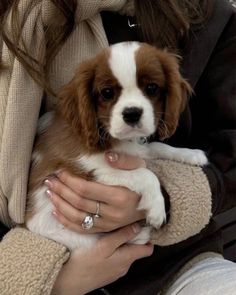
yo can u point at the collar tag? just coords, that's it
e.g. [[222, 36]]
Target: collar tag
[[142, 140]]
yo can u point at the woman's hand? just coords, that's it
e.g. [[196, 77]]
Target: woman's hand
[[107, 261], [74, 198]]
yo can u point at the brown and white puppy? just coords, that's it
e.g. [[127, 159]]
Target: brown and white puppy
[[126, 93]]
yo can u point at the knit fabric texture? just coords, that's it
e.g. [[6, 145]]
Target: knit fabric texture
[[20, 95]]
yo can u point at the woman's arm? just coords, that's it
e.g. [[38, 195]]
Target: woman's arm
[[187, 188], [109, 260], [33, 265], [29, 263]]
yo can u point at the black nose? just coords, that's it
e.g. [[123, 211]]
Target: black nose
[[132, 115]]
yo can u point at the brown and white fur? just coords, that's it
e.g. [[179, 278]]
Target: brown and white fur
[[128, 91]]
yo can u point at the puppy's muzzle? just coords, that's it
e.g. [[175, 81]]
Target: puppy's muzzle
[[132, 115]]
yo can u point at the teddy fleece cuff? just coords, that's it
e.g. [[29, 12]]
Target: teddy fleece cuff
[[190, 200], [29, 264]]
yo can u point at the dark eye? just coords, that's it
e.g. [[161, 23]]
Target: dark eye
[[107, 93], [152, 89]]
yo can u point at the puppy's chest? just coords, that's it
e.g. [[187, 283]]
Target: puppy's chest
[[93, 165], [97, 166]]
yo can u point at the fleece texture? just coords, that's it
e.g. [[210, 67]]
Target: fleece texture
[[190, 200], [29, 263]]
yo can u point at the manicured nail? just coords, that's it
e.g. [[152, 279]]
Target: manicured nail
[[112, 156], [54, 213], [48, 183], [48, 193], [136, 228]]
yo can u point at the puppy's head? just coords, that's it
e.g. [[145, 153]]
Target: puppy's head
[[128, 91]]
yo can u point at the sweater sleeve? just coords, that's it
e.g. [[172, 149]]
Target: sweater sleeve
[[20, 101], [190, 200], [29, 263]]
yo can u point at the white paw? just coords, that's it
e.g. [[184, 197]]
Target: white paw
[[155, 210], [193, 157], [156, 217], [143, 237]]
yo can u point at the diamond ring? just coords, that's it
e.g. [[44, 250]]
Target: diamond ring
[[87, 222]]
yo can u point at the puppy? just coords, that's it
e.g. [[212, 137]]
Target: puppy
[[116, 100]]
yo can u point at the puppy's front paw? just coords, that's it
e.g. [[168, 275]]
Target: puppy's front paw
[[143, 237], [155, 210], [193, 157], [156, 217]]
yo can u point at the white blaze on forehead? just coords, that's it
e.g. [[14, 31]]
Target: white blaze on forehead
[[122, 63]]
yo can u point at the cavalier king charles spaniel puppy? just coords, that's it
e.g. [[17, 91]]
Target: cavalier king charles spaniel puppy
[[115, 101]]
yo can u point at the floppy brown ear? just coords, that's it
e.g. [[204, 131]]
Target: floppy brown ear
[[178, 91], [77, 107]]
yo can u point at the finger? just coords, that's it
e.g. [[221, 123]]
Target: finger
[[122, 161], [119, 237], [90, 189], [69, 212], [66, 201], [81, 203], [73, 226], [76, 217], [135, 252]]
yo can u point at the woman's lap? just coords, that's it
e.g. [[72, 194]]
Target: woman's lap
[[209, 275]]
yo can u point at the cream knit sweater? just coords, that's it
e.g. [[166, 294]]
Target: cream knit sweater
[[20, 100], [20, 96]]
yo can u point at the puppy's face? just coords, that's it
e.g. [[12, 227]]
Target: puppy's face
[[128, 91]]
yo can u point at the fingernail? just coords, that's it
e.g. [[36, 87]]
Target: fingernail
[[54, 213], [136, 228], [48, 193], [48, 183], [112, 156]]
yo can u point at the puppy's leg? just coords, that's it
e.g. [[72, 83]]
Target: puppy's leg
[[184, 155], [143, 237], [145, 183]]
